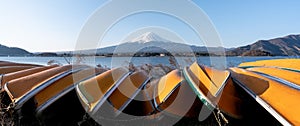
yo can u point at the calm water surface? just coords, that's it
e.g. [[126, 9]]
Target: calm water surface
[[219, 62]]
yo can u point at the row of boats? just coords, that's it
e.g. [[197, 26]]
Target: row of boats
[[71, 94]]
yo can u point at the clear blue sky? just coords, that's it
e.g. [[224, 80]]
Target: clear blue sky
[[54, 25]]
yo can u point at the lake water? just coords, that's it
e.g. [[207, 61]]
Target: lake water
[[219, 62]]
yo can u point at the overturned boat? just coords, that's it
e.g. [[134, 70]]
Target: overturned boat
[[215, 89], [174, 97], [4, 78], [59, 102], [18, 93], [274, 85], [95, 91]]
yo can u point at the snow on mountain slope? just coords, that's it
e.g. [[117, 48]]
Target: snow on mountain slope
[[149, 37]]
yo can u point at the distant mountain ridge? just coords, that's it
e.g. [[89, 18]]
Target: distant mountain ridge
[[282, 46], [151, 43], [13, 51]]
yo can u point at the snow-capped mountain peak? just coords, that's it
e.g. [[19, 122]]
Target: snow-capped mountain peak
[[149, 37]]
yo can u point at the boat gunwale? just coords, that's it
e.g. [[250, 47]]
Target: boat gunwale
[[223, 83], [262, 102], [82, 98], [105, 96], [279, 80], [157, 106], [22, 100], [53, 99], [122, 108], [258, 66], [197, 91], [27, 71]]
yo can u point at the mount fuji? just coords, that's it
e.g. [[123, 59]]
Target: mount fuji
[[150, 43], [149, 37]]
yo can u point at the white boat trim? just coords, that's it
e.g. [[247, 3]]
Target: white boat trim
[[196, 89], [106, 95], [166, 98], [265, 105], [132, 97], [280, 80], [19, 102], [42, 107]]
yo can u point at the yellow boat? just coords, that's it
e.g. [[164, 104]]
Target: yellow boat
[[6, 63], [22, 89], [95, 91], [283, 75], [292, 64], [214, 88], [280, 100], [171, 92], [11, 69], [60, 98], [127, 92], [57, 89], [10, 76]]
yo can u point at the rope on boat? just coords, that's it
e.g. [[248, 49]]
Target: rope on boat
[[223, 117], [218, 116]]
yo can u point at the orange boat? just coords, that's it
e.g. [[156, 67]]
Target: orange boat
[[57, 89], [214, 88], [172, 95], [60, 98], [127, 92], [95, 91], [283, 75], [279, 99], [11, 69], [22, 89], [10, 76], [6, 63], [290, 64]]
